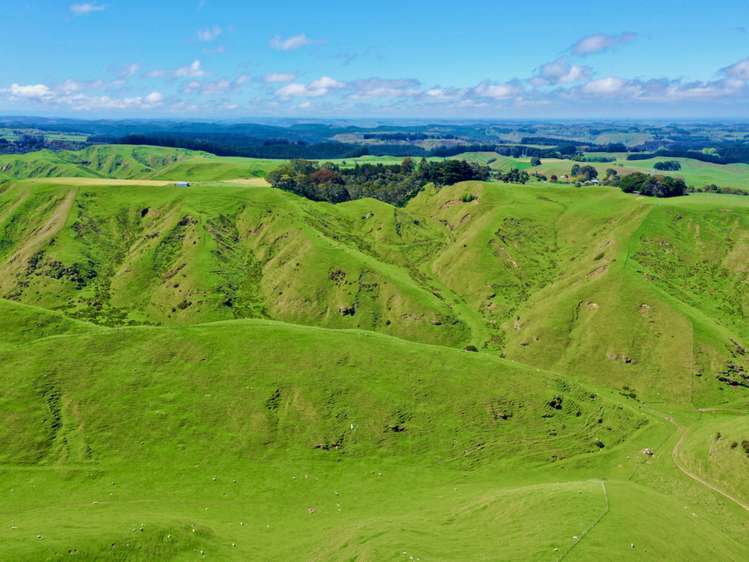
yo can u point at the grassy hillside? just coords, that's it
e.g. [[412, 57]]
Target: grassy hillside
[[492, 372], [281, 438], [166, 255], [590, 282], [127, 162], [606, 284]]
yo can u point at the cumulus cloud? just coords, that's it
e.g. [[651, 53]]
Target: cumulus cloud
[[291, 43], [599, 42], [278, 77], [660, 89], [69, 94], [490, 90], [559, 72], [210, 34], [38, 92], [84, 8], [605, 86], [317, 88]]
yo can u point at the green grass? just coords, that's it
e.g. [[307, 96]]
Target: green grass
[[233, 372], [212, 439], [694, 172]]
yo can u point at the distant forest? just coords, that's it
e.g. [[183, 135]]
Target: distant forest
[[719, 143]]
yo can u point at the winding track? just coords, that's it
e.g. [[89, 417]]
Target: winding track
[[675, 457]]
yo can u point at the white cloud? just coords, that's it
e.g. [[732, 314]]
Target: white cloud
[[600, 42], [279, 77], [210, 34], [739, 70], [153, 98], [193, 70], [605, 86], [81, 9], [502, 91], [559, 72], [660, 90], [291, 43], [317, 88], [70, 86], [31, 91], [70, 94]]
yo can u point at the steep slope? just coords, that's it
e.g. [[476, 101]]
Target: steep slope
[[646, 296], [164, 255]]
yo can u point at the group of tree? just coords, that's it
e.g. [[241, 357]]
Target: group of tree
[[667, 166], [394, 184], [512, 176], [652, 185], [583, 173]]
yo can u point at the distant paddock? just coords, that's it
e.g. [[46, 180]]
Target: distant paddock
[[99, 181], [249, 182]]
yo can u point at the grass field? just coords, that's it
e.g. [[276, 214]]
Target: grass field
[[232, 372], [694, 172]]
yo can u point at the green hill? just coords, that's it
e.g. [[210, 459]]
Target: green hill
[[128, 162], [229, 371]]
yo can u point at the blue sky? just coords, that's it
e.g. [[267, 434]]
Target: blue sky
[[230, 59]]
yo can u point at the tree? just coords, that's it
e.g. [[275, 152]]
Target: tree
[[535, 161], [583, 173]]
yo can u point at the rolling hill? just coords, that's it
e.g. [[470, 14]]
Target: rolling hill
[[493, 371]]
